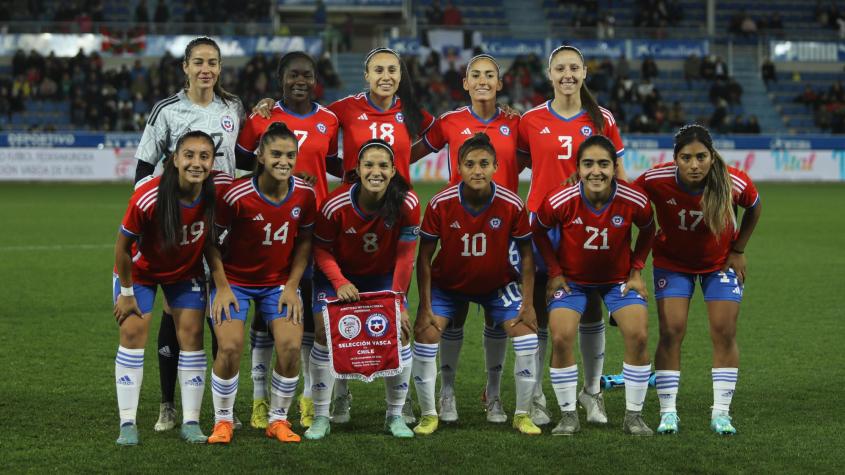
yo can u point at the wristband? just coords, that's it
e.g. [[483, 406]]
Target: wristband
[[127, 291], [737, 252]]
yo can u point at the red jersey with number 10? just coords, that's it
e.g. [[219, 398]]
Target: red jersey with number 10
[[595, 245], [474, 246], [361, 120], [262, 233], [684, 242], [553, 142]]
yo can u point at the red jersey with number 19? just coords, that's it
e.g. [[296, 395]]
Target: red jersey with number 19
[[474, 246], [363, 244], [595, 245], [262, 233], [553, 142], [684, 242], [361, 120], [151, 264], [453, 128], [317, 135]]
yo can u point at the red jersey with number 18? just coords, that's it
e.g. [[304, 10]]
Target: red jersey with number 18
[[474, 245], [363, 244], [684, 243], [553, 142], [361, 120], [595, 245], [262, 233]]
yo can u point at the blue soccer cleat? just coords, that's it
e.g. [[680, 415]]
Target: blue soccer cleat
[[669, 423], [128, 435], [721, 424]]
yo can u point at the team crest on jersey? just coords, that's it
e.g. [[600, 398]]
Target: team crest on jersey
[[617, 220], [349, 326], [377, 325], [321, 296], [661, 283], [227, 123], [295, 212], [321, 127], [400, 117], [586, 131], [505, 130], [495, 223], [559, 293]]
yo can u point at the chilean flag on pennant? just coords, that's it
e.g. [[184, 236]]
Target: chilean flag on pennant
[[363, 336]]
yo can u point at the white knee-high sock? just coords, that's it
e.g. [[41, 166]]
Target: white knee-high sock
[[667, 383], [591, 341], [322, 380], [191, 372], [262, 353], [223, 395], [564, 382], [724, 386], [525, 371], [305, 361], [636, 385], [396, 387], [495, 344], [450, 350], [542, 342], [425, 376], [282, 390], [128, 375]]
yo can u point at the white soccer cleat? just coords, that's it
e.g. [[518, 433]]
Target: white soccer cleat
[[166, 417], [539, 414], [340, 408], [495, 412], [594, 405], [448, 409]]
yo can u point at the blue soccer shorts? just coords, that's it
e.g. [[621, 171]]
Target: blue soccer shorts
[[715, 285], [266, 301], [612, 294], [501, 305], [186, 294]]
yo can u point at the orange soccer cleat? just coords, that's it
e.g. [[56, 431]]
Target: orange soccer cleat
[[222, 433], [281, 430]]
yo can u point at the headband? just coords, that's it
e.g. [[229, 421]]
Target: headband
[[483, 56], [563, 47], [376, 143], [377, 51]]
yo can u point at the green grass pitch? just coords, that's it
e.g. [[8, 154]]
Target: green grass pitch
[[58, 342]]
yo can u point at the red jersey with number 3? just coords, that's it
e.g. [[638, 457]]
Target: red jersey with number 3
[[474, 245], [553, 142], [363, 244], [262, 233], [151, 263], [316, 132], [453, 128], [684, 242], [361, 120], [595, 245]]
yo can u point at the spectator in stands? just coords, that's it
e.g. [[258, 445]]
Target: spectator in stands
[[748, 27], [708, 67], [142, 13], [162, 13], [734, 90], [692, 69], [768, 71], [808, 97], [452, 15], [677, 116], [325, 70], [434, 14], [719, 118], [320, 15], [624, 91], [347, 29], [836, 92], [622, 67], [753, 126], [605, 29], [649, 68]]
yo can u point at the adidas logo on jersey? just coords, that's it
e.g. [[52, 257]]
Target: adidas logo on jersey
[[466, 131], [455, 225], [671, 201], [577, 221], [545, 131], [351, 231], [363, 116], [258, 217]]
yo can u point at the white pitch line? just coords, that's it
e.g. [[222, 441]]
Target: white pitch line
[[55, 247]]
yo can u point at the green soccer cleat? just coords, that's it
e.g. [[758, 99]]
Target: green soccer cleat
[[395, 426], [192, 433], [668, 423], [427, 425], [721, 424], [320, 428], [128, 435], [259, 414], [524, 424]]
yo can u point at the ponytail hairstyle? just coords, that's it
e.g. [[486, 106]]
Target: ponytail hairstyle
[[276, 130], [597, 141], [479, 141], [411, 109], [397, 188], [168, 211], [285, 61], [588, 101], [224, 95], [717, 199]]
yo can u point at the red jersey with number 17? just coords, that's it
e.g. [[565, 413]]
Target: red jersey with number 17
[[553, 142], [474, 245], [151, 264], [361, 120], [453, 128], [595, 245], [684, 242], [363, 244], [262, 233], [316, 132]]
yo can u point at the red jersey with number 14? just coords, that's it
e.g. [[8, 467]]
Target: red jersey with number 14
[[363, 244], [262, 233], [316, 132], [595, 245], [361, 120], [151, 263], [453, 128], [474, 246], [684, 242], [553, 142]]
